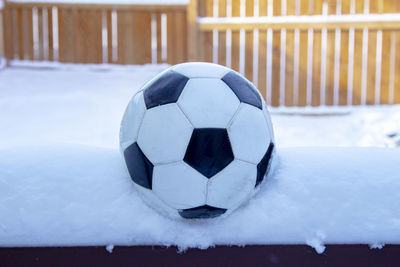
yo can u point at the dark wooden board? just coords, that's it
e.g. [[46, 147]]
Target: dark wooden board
[[271, 255]]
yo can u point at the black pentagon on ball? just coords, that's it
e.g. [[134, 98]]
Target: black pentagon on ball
[[202, 212], [209, 151], [165, 89], [139, 166], [262, 167], [243, 89]]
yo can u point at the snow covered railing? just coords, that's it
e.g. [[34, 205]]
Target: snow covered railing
[[359, 21]]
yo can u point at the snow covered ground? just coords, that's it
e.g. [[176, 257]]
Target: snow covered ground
[[84, 105], [62, 180]]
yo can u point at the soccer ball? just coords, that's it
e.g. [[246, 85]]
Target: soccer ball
[[197, 141]]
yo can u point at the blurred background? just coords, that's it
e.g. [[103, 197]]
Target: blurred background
[[328, 69]]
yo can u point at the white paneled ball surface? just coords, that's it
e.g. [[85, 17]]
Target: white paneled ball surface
[[197, 141]]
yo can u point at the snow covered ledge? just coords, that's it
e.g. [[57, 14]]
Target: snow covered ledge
[[77, 195]]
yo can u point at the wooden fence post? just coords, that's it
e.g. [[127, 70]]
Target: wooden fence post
[[2, 3], [193, 31]]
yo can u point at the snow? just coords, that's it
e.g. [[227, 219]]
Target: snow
[[69, 104], [376, 246], [63, 183], [75, 195], [355, 18], [84, 104], [344, 126], [110, 248]]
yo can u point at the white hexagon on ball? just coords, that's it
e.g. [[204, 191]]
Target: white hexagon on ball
[[179, 185], [232, 186], [201, 70], [132, 120], [208, 103], [249, 134], [164, 134]]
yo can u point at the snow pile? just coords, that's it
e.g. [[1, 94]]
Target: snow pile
[[79, 195], [338, 126]]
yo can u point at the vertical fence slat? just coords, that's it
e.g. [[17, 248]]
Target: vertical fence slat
[[207, 43], [359, 6], [20, 33], [316, 70], [396, 95], [195, 37], [109, 37], [159, 36], [344, 67], [181, 36], [222, 34], [2, 55], [125, 29], [8, 23], [1, 35], [235, 37], [142, 37], [385, 70], [29, 35], [206, 38], [289, 69], [330, 66], [89, 42], [176, 33], [330, 57], [372, 35], [384, 83], [262, 53], [134, 37], [50, 33], [67, 34], [289, 59], [302, 94], [346, 87], [171, 58], [95, 26], [276, 48], [248, 64], [40, 34], [396, 35], [344, 60], [358, 42]]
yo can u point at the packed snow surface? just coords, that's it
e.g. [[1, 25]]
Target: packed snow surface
[[79, 195], [63, 182]]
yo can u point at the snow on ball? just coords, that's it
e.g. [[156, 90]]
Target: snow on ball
[[197, 141]]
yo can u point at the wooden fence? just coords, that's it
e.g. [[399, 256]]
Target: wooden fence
[[82, 33], [297, 52]]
